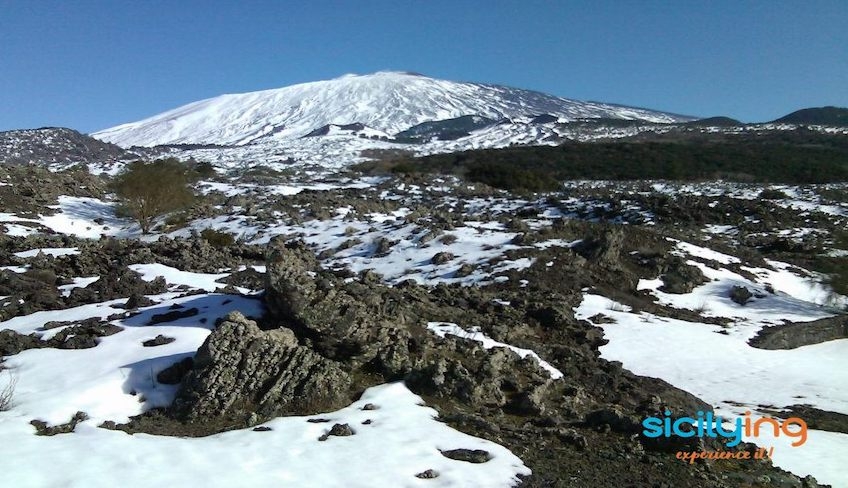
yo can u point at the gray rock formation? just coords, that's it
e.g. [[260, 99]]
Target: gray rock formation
[[798, 334], [241, 369]]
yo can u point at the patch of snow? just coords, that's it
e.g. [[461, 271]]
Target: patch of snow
[[49, 251], [442, 329], [173, 276], [17, 230], [16, 269], [117, 379], [82, 282], [686, 249], [798, 283], [726, 372]]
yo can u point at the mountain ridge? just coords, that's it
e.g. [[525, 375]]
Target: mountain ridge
[[387, 101]]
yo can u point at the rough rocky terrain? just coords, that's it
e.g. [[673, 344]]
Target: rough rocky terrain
[[352, 275], [56, 146]]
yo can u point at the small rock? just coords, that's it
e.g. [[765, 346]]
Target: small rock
[[682, 278], [740, 295], [809, 482], [464, 270], [41, 427], [172, 316], [159, 340], [476, 456], [572, 437], [262, 428], [138, 301], [341, 430], [383, 247], [612, 417], [428, 475]]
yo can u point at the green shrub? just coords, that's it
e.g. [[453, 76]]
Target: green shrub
[[176, 220], [837, 271], [770, 158], [150, 190], [509, 176], [203, 170], [405, 168], [217, 238], [448, 239], [772, 194]]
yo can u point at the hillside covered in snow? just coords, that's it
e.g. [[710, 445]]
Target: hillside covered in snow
[[387, 102]]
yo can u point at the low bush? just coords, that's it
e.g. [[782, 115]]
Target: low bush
[[217, 238], [772, 194], [202, 170], [509, 176], [150, 190]]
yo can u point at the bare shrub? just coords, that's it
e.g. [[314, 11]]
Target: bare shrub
[[7, 391]]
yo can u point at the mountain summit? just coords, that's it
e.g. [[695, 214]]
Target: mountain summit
[[389, 102]]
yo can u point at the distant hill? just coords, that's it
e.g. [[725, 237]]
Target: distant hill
[[835, 116], [715, 122], [55, 145]]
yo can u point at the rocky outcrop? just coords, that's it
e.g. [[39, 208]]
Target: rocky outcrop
[[36, 289], [242, 370], [329, 335], [793, 335], [378, 330], [28, 292], [12, 343], [356, 323], [604, 247], [56, 145], [681, 278]]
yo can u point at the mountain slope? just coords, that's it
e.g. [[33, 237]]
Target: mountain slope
[[833, 116], [386, 101], [51, 145]]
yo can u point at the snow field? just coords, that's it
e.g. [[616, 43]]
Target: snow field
[[117, 379]]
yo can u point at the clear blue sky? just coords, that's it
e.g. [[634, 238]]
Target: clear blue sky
[[94, 64]]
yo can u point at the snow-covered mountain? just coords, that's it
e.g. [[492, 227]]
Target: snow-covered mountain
[[388, 102]]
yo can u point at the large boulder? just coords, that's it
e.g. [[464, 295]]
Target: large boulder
[[681, 278], [603, 247], [241, 371]]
